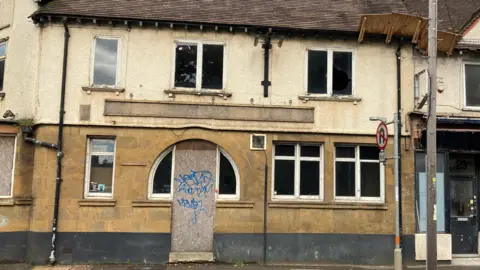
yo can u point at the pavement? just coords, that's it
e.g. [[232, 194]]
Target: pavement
[[218, 267]]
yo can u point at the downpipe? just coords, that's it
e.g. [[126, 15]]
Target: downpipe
[[398, 257], [52, 257]]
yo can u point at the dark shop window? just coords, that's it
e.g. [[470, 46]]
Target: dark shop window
[[472, 85], [212, 73]]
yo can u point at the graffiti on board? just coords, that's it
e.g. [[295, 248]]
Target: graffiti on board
[[196, 185]]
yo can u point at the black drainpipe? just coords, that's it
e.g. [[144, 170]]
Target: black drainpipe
[[266, 46], [60, 144], [398, 55], [265, 201]]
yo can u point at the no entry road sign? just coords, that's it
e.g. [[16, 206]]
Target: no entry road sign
[[382, 136]]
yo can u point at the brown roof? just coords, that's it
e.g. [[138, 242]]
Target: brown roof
[[339, 15]]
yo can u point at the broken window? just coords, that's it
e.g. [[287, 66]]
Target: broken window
[[189, 57], [3, 56], [7, 146], [162, 182], [297, 172], [105, 62], [358, 173], [100, 165], [329, 72], [472, 85]]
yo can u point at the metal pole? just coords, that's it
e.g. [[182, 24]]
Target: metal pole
[[432, 140], [397, 253]]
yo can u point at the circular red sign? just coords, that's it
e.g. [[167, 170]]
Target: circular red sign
[[382, 136]]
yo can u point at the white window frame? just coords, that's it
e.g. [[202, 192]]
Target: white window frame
[[119, 54], [88, 167], [169, 196], [13, 166], [198, 85], [330, 52], [297, 158], [4, 58], [465, 85], [357, 161]]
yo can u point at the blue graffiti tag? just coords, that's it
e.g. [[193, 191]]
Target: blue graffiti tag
[[196, 206], [197, 182]]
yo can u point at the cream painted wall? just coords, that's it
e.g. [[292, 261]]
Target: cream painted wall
[[22, 57], [146, 57], [474, 32]]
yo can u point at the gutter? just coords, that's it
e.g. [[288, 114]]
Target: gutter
[[398, 55]]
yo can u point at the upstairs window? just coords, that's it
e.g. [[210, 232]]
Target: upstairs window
[[105, 62], [330, 72], [3, 57], [359, 175], [193, 58], [472, 85]]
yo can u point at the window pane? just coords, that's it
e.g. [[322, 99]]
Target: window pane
[[317, 72], [370, 179], [472, 84], [285, 150], [309, 178], [2, 73], [369, 152], [162, 180], [103, 145], [342, 73], [186, 65], [3, 49], [284, 177], [105, 66], [7, 146], [310, 151], [212, 73], [101, 174], [345, 152], [227, 182], [345, 179]]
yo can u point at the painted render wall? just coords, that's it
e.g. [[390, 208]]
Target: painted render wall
[[146, 71]]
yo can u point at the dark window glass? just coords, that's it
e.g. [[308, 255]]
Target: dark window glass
[[472, 77], [105, 65], [284, 177], [309, 151], [317, 72], [345, 179], [345, 152], [227, 183], [342, 73], [309, 178], [369, 152], [284, 150], [370, 179], [2, 73], [212, 67], [101, 173], [163, 176], [186, 65]]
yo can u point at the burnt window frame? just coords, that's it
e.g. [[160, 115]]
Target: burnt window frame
[[297, 158], [169, 196], [330, 52], [4, 59], [198, 81], [464, 67], [357, 161]]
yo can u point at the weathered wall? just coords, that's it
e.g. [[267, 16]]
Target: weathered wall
[[22, 57], [146, 71]]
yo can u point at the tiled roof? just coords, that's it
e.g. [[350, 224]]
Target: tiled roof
[[340, 15]]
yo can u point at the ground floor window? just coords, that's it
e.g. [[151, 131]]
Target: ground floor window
[[7, 160], [359, 175], [100, 167], [161, 176], [297, 171]]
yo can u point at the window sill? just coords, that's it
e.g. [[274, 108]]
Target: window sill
[[90, 89], [152, 203], [15, 201], [4, 27], [471, 109], [313, 97], [235, 204], [97, 202], [193, 92], [2, 95], [323, 205]]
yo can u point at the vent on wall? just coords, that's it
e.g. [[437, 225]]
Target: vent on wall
[[258, 141]]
